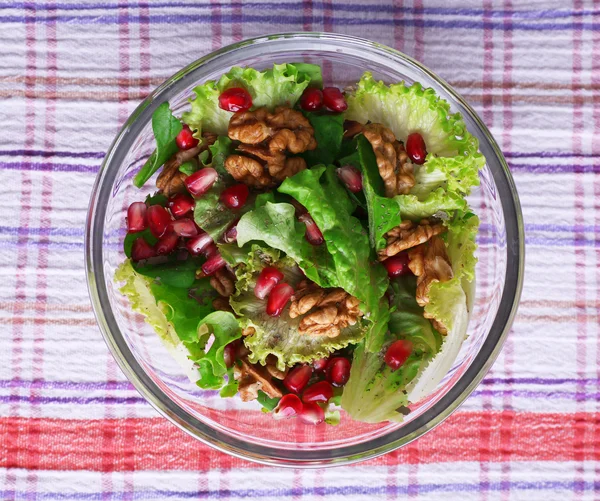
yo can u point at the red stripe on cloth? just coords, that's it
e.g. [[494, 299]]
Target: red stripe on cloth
[[158, 445]]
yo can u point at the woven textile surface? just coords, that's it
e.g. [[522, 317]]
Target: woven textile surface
[[71, 425]]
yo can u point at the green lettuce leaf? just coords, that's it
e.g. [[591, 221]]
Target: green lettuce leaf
[[170, 311], [276, 225], [329, 131], [279, 336], [223, 328], [165, 128], [327, 202], [407, 109], [180, 274], [374, 392], [281, 85]]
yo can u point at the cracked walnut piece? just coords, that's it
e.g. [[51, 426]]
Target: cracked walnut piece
[[430, 263], [223, 281], [407, 235], [254, 377], [393, 163], [265, 139], [170, 180], [327, 311]]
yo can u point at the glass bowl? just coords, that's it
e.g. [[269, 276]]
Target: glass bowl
[[240, 428]]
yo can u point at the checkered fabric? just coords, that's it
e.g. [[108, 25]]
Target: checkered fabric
[[73, 428]]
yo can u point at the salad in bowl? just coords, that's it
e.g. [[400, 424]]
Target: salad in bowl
[[309, 248]]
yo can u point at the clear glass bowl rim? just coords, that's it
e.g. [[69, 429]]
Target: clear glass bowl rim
[[279, 456]]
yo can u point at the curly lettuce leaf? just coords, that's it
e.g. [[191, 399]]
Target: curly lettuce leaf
[[277, 226], [279, 336], [170, 311], [327, 202], [165, 128], [374, 392], [407, 109], [281, 85]]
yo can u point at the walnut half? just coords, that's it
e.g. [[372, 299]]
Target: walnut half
[[393, 163], [407, 235], [326, 311]]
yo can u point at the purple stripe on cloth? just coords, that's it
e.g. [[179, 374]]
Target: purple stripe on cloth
[[393, 9], [346, 490], [497, 25], [49, 167]]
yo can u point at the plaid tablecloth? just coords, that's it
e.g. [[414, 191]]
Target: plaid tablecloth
[[72, 427]]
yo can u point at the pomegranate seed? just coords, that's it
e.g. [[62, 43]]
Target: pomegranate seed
[[311, 100], [158, 220], [213, 263], [185, 139], [312, 414], [181, 204], [298, 378], [142, 250], [397, 265], [136, 217], [313, 233], [235, 99], [320, 365], [201, 181], [199, 243], [338, 371], [167, 243], [269, 277], [184, 227], [211, 251], [415, 148], [334, 99], [235, 196], [230, 353], [398, 353], [278, 298], [351, 177], [288, 407], [318, 392], [230, 235]]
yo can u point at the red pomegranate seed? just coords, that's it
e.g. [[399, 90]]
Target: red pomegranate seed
[[278, 298], [167, 243], [334, 99], [313, 233], [312, 414], [318, 392], [230, 235], [338, 371], [201, 181], [230, 353], [397, 265], [136, 217], [297, 378], [235, 99], [185, 139], [267, 280], [415, 148], [181, 204], [398, 353], [184, 227], [142, 250], [210, 251], [213, 263], [235, 196], [158, 220], [351, 177], [199, 243], [288, 407], [311, 100], [320, 364]]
